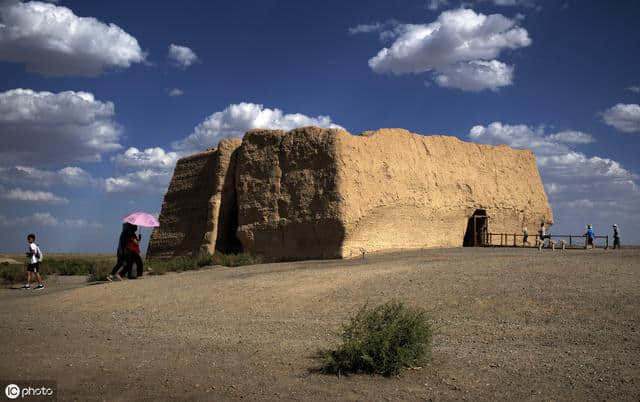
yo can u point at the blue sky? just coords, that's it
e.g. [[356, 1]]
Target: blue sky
[[82, 83]]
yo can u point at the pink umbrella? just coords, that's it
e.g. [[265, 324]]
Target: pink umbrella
[[142, 219]]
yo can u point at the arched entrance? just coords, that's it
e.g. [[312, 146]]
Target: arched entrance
[[477, 229]]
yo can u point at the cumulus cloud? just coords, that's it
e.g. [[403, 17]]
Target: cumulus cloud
[[634, 88], [624, 117], [143, 181], [150, 158], [581, 188], [181, 56], [148, 171], [18, 194], [175, 92], [476, 75], [53, 41], [40, 219], [236, 119], [55, 127], [572, 137], [459, 48], [30, 176]]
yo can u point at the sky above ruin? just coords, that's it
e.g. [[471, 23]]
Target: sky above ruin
[[99, 99]]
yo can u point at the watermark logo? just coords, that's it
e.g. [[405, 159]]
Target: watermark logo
[[31, 390], [12, 391]]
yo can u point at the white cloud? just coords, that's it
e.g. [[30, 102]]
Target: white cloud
[[513, 3], [55, 127], [53, 41], [182, 56], [476, 75], [624, 117], [40, 219], [18, 194], [366, 28], [150, 158], [581, 188], [436, 4], [176, 92], [634, 88], [143, 181], [237, 119], [572, 137], [31, 176], [460, 48]]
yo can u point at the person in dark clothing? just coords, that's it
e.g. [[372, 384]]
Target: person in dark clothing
[[132, 254], [616, 237], [126, 228]]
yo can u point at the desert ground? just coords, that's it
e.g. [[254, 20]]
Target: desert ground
[[512, 324]]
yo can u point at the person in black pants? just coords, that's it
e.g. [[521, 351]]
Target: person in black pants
[[120, 251], [616, 237], [132, 253]]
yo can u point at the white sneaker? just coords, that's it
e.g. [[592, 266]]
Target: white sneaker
[[40, 286]]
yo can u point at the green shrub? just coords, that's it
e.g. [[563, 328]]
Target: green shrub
[[234, 260], [381, 340], [98, 271], [189, 263], [66, 266], [13, 273]]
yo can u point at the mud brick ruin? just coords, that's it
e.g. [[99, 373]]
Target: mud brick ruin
[[324, 193]]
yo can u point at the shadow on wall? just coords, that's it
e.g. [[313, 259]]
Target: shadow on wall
[[477, 227], [226, 239]]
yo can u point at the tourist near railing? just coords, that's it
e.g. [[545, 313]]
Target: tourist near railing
[[517, 240]]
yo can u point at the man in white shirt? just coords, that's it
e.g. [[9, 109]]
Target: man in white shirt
[[34, 256]]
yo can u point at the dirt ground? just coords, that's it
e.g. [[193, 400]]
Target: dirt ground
[[513, 324]]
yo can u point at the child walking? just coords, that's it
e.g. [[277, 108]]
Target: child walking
[[34, 257]]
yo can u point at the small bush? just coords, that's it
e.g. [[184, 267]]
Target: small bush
[[189, 263], [381, 340], [13, 273], [235, 260], [98, 271]]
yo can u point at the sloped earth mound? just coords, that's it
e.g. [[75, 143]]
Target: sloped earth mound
[[513, 324]]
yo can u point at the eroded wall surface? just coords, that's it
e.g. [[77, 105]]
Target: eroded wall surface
[[288, 201], [324, 193], [199, 211], [402, 190]]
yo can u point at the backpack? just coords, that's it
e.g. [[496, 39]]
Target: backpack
[[39, 255]]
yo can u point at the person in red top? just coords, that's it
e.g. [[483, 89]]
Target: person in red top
[[131, 254]]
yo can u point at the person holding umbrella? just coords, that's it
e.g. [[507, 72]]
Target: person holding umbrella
[[131, 242], [132, 254]]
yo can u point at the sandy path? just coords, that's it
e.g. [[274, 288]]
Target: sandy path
[[513, 324]]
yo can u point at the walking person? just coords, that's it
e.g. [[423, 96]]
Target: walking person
[[525, 237], [132, 254], [590, 236], [543, 235], [616, 237], [126, 228], [34, 258]]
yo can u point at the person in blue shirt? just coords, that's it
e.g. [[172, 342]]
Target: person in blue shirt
[[590, 236]]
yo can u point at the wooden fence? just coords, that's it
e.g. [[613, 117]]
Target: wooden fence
[[517, 240]]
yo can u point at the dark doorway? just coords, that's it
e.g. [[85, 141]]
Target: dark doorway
[[477, 228]]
